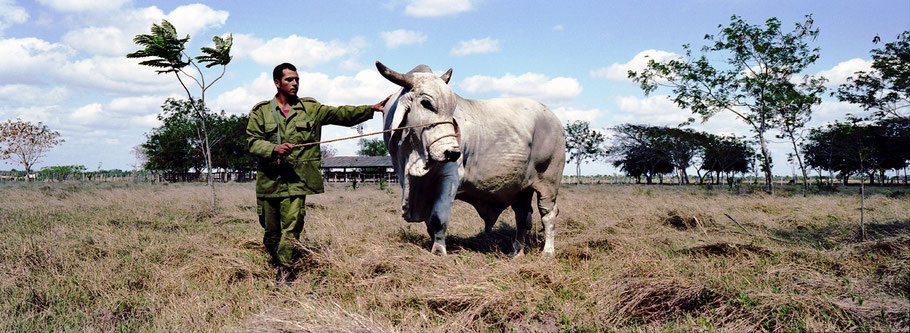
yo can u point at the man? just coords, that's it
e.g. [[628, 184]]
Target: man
[[287, 173]]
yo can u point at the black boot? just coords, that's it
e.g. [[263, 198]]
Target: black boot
[[283, 275]]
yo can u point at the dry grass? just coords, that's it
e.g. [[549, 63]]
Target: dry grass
[[141, 257]]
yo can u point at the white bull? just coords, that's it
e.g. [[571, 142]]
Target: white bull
[[491, 154]]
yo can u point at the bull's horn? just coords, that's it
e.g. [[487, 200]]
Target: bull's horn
[[397, 78], [445, 77]]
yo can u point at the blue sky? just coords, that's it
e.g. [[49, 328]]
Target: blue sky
[[62, 61]]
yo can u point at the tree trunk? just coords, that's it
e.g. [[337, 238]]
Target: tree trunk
[[208, 160], [577, 171], [766, 156], [801, 166], [862, 205]]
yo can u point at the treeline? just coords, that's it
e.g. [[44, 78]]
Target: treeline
[[860, 148], [67, 172], [649, 151], [177, 146], [842, 150]]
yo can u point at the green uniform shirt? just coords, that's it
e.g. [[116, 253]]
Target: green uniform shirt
[[298, 173]]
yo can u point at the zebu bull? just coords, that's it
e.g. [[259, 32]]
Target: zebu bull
[[491, 154]]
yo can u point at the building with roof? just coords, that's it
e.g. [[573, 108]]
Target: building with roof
[[361, 168]]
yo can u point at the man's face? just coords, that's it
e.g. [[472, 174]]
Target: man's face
[[289, 82]]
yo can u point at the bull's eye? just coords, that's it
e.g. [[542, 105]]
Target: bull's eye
[[427, 105]]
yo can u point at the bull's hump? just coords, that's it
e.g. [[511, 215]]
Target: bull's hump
[[421, 69]]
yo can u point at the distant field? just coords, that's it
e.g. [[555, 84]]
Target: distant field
[[119, 256]]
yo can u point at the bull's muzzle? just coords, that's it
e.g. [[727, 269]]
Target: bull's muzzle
[[452, 155]]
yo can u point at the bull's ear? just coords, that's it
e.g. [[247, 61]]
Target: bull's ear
[[445, 77], [402, 80]]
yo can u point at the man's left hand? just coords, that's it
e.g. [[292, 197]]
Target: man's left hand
[[380, 106]]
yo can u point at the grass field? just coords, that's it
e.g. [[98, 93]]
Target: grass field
[[106, 257]]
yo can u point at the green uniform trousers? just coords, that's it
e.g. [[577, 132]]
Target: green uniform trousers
[[282, 219]]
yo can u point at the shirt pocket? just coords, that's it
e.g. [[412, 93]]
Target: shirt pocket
[[271, 130], [304, 131]]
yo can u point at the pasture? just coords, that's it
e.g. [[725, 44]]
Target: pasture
[[119, 256]]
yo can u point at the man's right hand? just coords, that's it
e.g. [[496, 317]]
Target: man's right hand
[[283, 149]]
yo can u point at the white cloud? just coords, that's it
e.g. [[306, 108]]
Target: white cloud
[[352, 65], [244, 44], [620, 72], [139, 105], [87, 114], [25, 60], [46, 114], [401, 37], [148, 121], [559, 27], [839, 73], [533, 85], [23, 94], [109, 41], [475, 46], [655, 110], [111, 33], [569, 114], [11, 14], [190, 19], [241, 99], [303, 52], [432, 8], [366, 87], [83, 5], [119, 117], [116, 75], [829, 111]]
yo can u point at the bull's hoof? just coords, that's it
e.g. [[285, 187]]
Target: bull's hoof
[[438, 249], [515, 254], [548, 254]]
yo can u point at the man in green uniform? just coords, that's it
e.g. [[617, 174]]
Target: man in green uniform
[[286, 173]]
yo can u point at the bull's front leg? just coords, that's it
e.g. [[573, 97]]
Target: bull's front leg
[[439, 218]]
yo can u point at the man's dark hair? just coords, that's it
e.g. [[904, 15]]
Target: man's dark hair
[[276, 73]]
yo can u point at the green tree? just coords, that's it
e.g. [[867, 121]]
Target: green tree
[[326, 150], [230, 150], [725, 155], [859, 150], [178, 144], [372, 147], [795, 113], [61, 172], [753, 81], [583, 144], [681, 146], [26, 143], [886, 88], [170, 147], [168, 54], [834, 148], [653, 150]]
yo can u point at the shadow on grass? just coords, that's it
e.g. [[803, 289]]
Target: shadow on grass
[[834, 235], [498, 241]]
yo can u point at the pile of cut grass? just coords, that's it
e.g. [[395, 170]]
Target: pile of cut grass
[[104, 257]]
